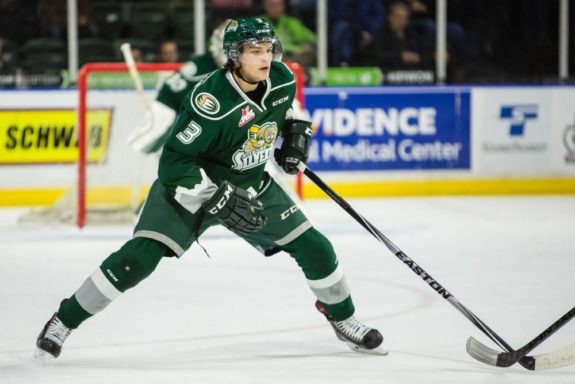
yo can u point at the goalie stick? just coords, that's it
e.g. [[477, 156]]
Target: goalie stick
[[555, 359], [135, 75], [126, 49], [525, 361]]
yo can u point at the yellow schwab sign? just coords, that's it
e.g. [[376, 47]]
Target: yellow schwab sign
[[51, 136]]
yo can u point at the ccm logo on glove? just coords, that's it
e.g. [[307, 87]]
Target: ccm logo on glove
[[227, 192]]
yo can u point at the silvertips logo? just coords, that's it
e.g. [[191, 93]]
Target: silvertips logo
[[257, 148], [207, 103], [569, 141]]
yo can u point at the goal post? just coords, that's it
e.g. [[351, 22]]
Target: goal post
[[83, 89], [86, 109]]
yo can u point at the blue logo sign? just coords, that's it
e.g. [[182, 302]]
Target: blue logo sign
[[519, 115], [382, 129]]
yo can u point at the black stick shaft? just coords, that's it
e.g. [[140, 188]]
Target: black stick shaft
[[510, 358], [506, 359]]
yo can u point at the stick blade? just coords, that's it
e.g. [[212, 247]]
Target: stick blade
[[550, 360], [556, 359], [481, 352]]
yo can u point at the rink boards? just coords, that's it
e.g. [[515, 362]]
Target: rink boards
[[373, 141]]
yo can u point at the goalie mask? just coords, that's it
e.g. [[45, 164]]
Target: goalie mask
[[254, 31]]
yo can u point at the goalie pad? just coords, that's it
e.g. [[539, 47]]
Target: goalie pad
[[152, 129]]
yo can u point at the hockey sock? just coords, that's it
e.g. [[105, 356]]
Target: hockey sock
[[71, 313], [315, 255], [122, 270]]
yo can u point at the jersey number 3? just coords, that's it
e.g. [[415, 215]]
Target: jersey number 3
[[189, 134]]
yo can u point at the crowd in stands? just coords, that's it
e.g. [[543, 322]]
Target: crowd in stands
[[487, 40]]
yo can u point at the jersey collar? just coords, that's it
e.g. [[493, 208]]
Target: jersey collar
[[235, 85]]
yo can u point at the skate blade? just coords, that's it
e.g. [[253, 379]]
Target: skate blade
[[42, 356], [375, 351]]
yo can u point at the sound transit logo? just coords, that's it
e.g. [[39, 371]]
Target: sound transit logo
[[519, 115]]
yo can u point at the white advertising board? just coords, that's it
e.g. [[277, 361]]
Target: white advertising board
[[37, 135], [512, 130], [563, 131]]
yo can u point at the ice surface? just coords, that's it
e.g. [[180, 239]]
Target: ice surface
[[239, 317]]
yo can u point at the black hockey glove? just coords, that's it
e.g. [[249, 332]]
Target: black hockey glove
[[236, 209], [295, 147]]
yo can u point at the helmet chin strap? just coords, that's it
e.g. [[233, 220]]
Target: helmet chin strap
[[239, 74]]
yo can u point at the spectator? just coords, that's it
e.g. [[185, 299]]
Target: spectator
[[395, 47], [5, 58], [54, 16], [352, 24], [168, 52], [137, 54], [305, 11], [423, 20], [298, 41], [225, 9], [18, 20]]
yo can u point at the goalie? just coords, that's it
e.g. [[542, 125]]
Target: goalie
[[153, 131], [211, 172]]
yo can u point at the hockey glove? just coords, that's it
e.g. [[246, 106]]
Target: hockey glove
[[236, 209], [295, 146]]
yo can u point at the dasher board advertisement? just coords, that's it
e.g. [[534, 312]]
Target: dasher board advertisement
[[389, 128], [512, 129], [563, 131]]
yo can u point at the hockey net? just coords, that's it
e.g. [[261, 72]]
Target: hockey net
[[112, 179]]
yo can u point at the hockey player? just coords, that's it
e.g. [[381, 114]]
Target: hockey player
[[211, 172]]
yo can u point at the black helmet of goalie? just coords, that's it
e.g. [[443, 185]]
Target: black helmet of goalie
[[252, 30]]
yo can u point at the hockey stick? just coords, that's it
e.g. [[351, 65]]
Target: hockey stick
[[555, 359], [134, 74], [525, 361], [139, 86]]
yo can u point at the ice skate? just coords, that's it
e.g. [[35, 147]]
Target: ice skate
[[51, 338], [358, 337]]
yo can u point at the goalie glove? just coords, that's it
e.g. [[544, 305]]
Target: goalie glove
[[236, 209], [152, 128], [295, 145]]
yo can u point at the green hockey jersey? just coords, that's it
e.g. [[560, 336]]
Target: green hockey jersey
[[177, 85], [221, 134]]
